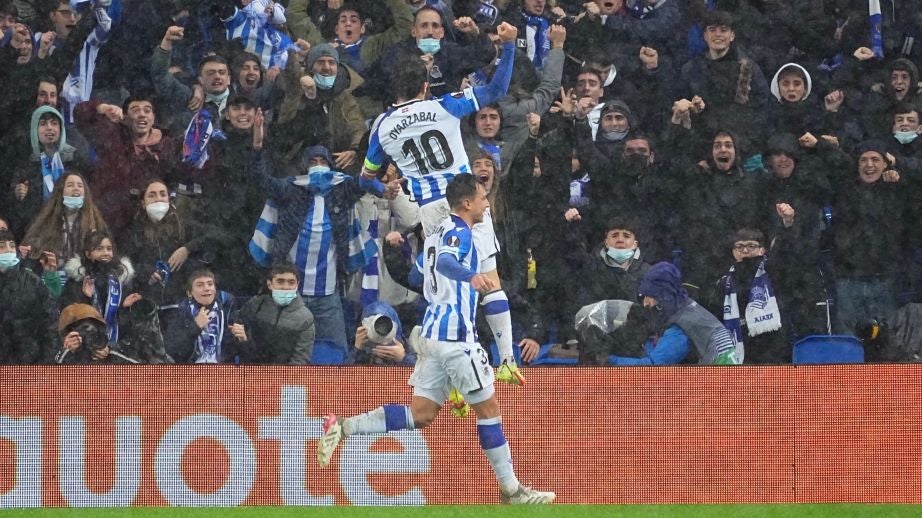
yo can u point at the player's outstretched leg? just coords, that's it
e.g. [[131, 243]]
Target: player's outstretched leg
[[495, 447], [383, 419]]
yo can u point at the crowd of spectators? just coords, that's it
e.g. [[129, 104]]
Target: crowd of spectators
[[180, 183]]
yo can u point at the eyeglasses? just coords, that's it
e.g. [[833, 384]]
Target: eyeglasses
[[747, 247]]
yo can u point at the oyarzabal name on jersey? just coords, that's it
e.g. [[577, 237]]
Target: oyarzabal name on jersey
[[412, 118]]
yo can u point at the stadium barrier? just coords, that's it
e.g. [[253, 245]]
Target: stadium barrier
[[225, 436]]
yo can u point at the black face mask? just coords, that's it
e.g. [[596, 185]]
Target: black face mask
[[636, 163], [92, 335]]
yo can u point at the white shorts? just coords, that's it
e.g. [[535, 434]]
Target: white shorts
[[433, 214], [443, 365]]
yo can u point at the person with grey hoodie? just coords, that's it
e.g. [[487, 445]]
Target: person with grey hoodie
[[49, 155]]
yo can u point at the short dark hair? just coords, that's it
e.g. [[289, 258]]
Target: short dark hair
[[716, 19], [623, 223], [792, 70], [245, 57], [214, 58], [639, 135], [141, 97], [407, 77], [427, 7], [6, 235], [905, 107], [198, 274], [748, 234], [280, 268], [462, 187], [590, 70]]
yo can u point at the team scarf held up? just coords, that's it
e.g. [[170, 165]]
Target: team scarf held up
[[875, 20], [110, 310], [362, 248], [257, 31], [52, 169], [208, 342], [542, 43], [762, 313], [199, 133]]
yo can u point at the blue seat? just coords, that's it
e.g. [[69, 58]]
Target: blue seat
[[327, 353], [824, 349], [544, 358]]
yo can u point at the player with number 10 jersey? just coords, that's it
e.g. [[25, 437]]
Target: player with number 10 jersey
[[423, 136]]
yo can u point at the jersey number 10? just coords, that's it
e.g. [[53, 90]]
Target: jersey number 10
[[431, 158]]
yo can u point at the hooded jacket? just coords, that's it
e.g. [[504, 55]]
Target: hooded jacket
[[28, 168], [364, 357], [663, 282]]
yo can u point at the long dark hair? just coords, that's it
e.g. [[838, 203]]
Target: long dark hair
[[171, 226], [93, 239], [47, 231]]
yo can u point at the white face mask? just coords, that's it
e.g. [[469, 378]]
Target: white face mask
[[157, 210]]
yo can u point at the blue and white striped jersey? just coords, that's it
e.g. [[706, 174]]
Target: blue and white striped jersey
[[259, 36], [423, 138], [314, 253], [450, 316]]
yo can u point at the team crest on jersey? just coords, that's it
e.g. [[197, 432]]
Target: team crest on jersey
[[453, 241]]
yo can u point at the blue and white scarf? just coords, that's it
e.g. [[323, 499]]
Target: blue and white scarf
[[875, 20], [369, 292], [542, 43], [52, 169], [257, 31], [199, 133], [762, 313], [208, 342], [110, 310], [362, 248]]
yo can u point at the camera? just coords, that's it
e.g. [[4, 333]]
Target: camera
[[381, 329]]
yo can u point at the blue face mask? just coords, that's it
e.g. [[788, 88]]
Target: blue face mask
[[73, 202], [284, 297], [317, 169], [620, 255], [613, 136], [905, 137], [429, 45], [8, 260], [324, 82]]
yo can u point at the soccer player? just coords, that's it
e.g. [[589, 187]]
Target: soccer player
[[448, 352], [423, 138]]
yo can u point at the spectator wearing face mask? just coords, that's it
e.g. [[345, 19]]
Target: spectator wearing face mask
[[26, 310], [612, 269], [160, 243], [753, 310], [322, 93], [280, 327], [39, 163], [448, 62], [64, 221]]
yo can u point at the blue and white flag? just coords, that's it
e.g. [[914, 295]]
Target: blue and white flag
[[877, 38], [362, 248], [199, 133]]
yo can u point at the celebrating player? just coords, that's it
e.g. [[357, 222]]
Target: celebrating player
[[423, 138], [449, 355]]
